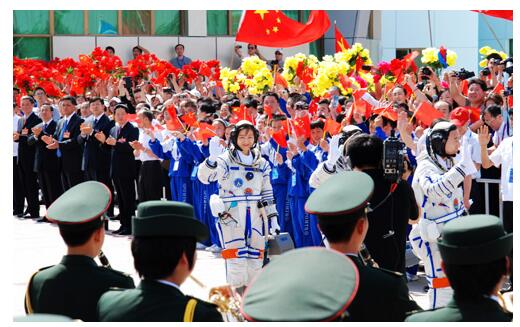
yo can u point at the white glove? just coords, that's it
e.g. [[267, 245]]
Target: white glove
[[216, 205], [275, 228], [334, 151], [466, 162], [215, 149]]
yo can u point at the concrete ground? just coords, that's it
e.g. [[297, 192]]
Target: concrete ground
[[39, 245]]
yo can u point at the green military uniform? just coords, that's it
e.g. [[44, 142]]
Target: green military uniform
[[73, 287], [476, 239], [382, 294], [159, 300], [299, 286]]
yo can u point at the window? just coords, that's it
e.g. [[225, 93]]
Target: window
[[68, 22], [136, 22], [32, 47], [31, 22], [102, 22], [292, 14], [217, 22], [235, 20], [167, 22]]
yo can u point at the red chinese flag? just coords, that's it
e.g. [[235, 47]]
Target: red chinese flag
[[426, 113], [474, 114], [361, 105], [510, 101], [302, 126], [332, 127], [464, 87], [280, 138], [341, 43], [272, 28], [240, 113], [313, 107], [268, 111], [204, 132], [505, 14], [387, 112], [189, 119], [498, 89], [174, 123], [172, 111], [345, 81], [279, 80]]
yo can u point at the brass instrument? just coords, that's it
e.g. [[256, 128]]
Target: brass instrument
[[506, 301], [226, 299]]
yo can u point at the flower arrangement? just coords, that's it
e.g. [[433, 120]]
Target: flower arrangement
[[355, 57], [329, 74], [301, 66], [438, 58], [486, 51], [232, 80], [253, 74]]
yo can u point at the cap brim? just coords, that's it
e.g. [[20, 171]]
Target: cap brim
[[478, 254]]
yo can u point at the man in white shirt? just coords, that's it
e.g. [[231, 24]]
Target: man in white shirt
[[149, 183], [18, 198]]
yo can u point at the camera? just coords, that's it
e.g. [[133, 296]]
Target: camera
[[463, 74], [393, 158], [421, 85], [486, 71], [426, 71]]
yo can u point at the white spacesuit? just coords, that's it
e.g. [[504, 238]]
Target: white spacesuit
[[243, 182], [437, 185], [336, 160]]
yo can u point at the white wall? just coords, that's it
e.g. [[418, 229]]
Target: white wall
[[66, 46], [456, 30]]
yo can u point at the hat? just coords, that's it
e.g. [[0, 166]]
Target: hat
[[278, 51], [167, 218], [351, 128], [474, 239], [459, 116], [81, 206], [116, 99], [195, 93], [306, 284], [347, 192], [43, 317]]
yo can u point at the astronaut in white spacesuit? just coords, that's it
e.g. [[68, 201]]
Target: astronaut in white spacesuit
[[336, 161], [437, 185], [243, 178]]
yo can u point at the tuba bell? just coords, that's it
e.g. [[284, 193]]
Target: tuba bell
[[226, 299]]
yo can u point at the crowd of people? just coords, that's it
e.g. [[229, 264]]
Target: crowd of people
[[248, 163]]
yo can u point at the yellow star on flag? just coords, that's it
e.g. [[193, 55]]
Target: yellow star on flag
[[267, 31], [261, 13], [275, 29], [278, 20], [342, 45]]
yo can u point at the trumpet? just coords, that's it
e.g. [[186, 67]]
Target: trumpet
[[226, 299]]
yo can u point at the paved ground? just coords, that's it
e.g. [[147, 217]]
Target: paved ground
[[38, 245]]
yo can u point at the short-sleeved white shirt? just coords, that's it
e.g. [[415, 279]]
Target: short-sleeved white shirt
[[503, 156]]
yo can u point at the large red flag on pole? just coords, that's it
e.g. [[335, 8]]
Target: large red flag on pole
[[505, 14], [341, 43], [272, 28]]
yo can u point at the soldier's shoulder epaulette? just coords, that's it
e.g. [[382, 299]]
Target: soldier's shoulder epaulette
[[199, 301], [116, 272], [44, 268]]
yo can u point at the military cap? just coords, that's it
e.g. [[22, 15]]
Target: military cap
[[81, 206], [43, 317], [306, 284], [344, 193], [474, 239], [167, 218]]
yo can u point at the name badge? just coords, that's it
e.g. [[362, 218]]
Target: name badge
[[66, 135], [176, 165], [293, 180], [275, 173], [511, 175]]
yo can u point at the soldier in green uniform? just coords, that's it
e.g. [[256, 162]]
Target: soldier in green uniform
[[306, 284], [340, 205], [73, 287], [474, 251], [163, 246]]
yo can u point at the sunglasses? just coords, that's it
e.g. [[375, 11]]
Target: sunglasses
[[251, 48]]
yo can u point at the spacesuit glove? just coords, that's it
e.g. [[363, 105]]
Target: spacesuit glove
[[275, 228], [215, 149], [334, 151]]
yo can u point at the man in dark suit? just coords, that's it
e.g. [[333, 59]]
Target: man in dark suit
[[65, 141], [26, 154], [340, 204], [73, 287], [96, 157], [163, 247], [46, 163], [122, 167]]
